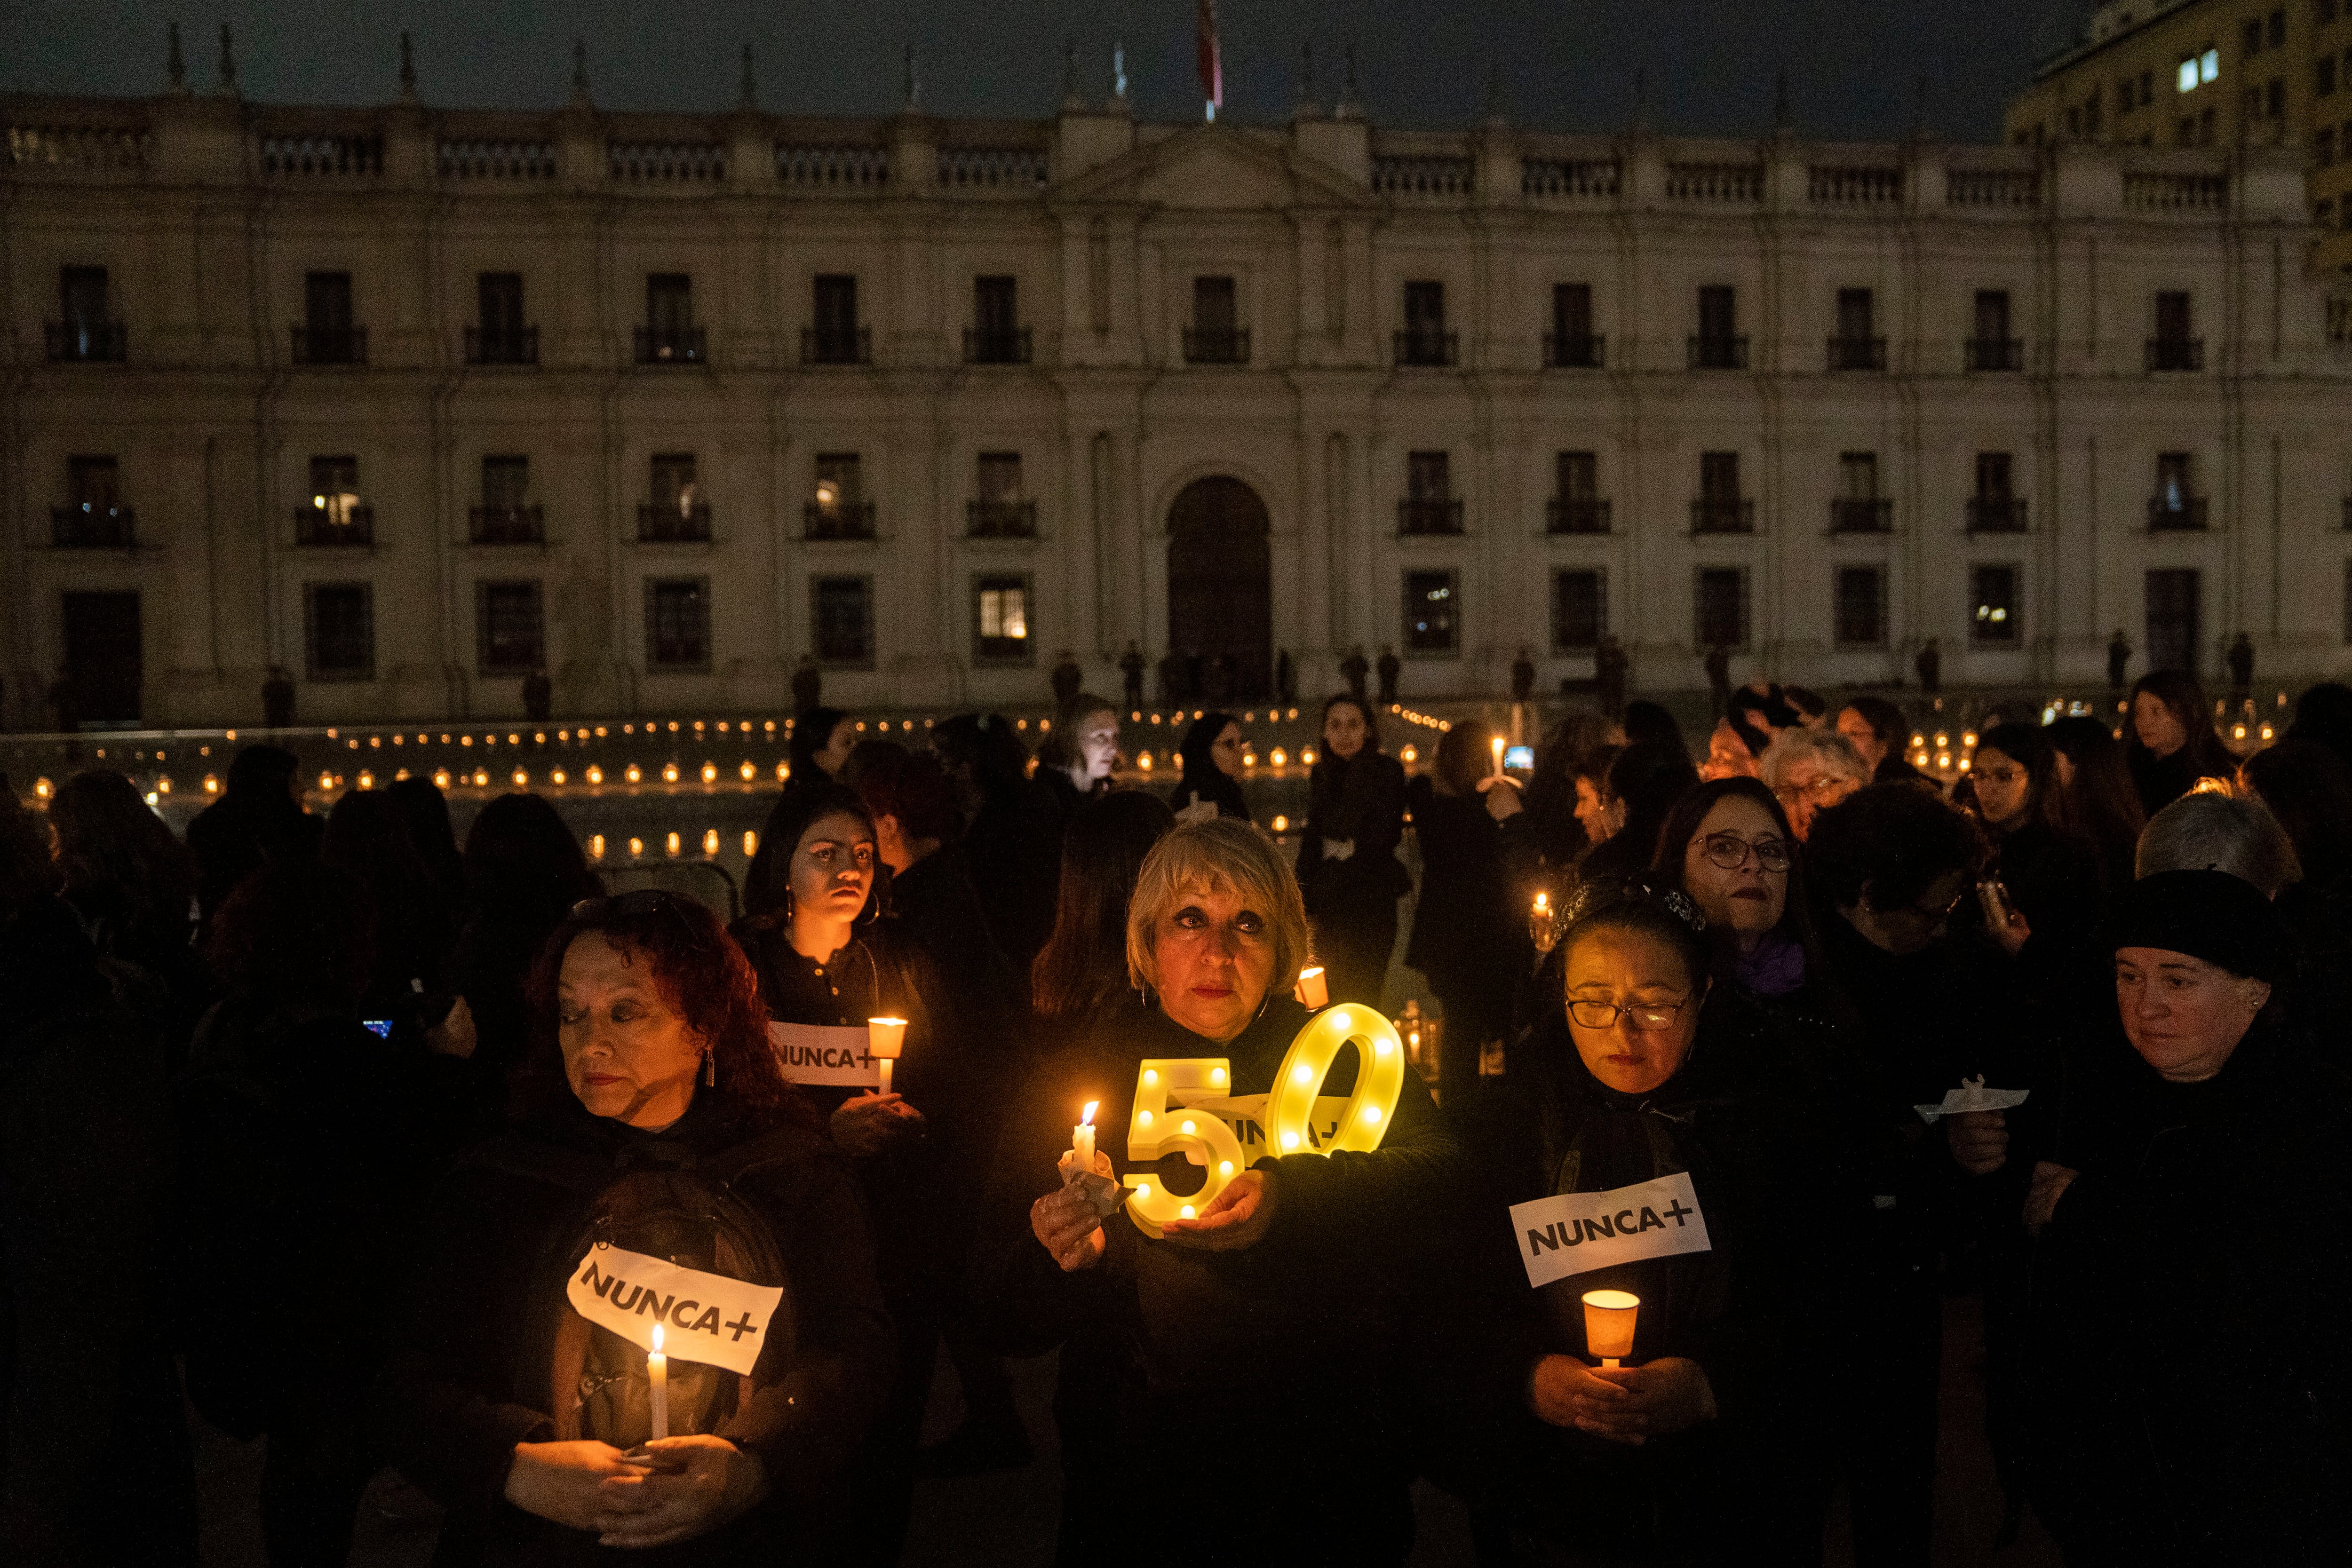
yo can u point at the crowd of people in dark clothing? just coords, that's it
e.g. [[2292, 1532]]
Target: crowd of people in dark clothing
[[335, 1131]]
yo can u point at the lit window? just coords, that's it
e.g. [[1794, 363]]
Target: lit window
[[2209, 64], [1001, 618], [2189, 76]]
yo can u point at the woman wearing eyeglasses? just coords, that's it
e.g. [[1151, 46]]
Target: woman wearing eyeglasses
[[658, 1126], [1623, 1083]]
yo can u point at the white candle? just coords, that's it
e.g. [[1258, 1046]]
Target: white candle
[[1081, 1137], [1609, 1317], [657, 1371], [1498, 744], [1313, 992], [885, 1038]]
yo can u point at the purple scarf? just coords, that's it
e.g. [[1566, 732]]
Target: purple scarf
[[1774, 969]]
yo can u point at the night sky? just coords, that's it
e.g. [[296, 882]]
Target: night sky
[[1567, 65]]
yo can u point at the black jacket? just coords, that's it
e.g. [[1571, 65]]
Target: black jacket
[[1759, 1119], [1359, 799], [2193, 1393], [1283, 1358], [473, 1346], [1477, 880]]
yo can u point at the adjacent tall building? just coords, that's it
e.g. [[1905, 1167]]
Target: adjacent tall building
[[2211, 73], [413, 404]]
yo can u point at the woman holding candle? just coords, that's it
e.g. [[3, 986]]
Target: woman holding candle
[[1252, 1347], [652, 1064], [1347, 868], [1622, 1085]]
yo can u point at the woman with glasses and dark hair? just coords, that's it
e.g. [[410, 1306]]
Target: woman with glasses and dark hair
[[1624, 1088], [1728, 846], [657, 1128], [1348, 867]]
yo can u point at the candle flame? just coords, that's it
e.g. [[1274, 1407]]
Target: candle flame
[[1086, 1117], [657, 1339]]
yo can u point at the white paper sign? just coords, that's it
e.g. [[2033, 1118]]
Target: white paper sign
[[704, 1317], [834, 1055], [1245, 1114], [1577, 1232], [1972, 1095]]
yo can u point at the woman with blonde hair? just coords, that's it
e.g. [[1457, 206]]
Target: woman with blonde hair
[[1253, 1341]]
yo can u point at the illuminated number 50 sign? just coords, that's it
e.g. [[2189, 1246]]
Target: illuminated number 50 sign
[[1157, 1129]]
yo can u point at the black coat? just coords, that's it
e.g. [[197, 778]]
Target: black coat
[[1760, 1118], [473, 1345], [1359, 799], [2193, 1392], [1284, 1359], [1470, 923], [94, 1468]]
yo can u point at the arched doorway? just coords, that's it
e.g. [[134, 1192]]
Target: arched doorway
[[1220, 593]]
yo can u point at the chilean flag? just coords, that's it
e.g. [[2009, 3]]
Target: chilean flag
[[1213, 72]]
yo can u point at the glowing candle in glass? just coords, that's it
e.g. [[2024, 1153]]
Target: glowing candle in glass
[[1540, 924], [1314, 992], [1609, 1324], [1497, 742], [883, 1040]]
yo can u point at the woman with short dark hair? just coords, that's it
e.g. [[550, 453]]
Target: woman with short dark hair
[[1211, 752], [660, 1126]]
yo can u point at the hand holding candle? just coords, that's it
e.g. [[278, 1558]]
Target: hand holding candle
[[1609, 1324], [885, 1038]]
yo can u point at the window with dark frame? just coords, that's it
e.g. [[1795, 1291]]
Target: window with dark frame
[[1856, 346], [1215, 336], [1579, 608], [93, 517], [669, 336], [2176, 504], [509, 636], [841, 618], [1000, 509], [996, 336], [1720, 508], [508, 515], [1429, 507], [1424, 340], [836, 339], [678, 623], [2175, 347], [1995, 618], [1571, 344], [1858, 507], [1577, 507], [1717, 345], [339, 631], [334, 513], [85, 330], [1000, 620], [1860, 613], [1431, 614], [328, 335], [1719, 608], [838, 509], [675, 511], [1990, 347], [1996, 508], [500, 336]]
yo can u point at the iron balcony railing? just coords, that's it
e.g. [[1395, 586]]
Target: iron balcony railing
[[1995, 354], [1428, 347], [1429, 515], [1576, 514], [836, 346], [1216, 345], [330, 346], [1723, 514], [1862, 515], [838, 520], [502, 345], [1996, 514], [667, 523], [1709, 352], [90, 526], [1001, 519], [350, 525], [995, 346], [86, 343], [669, 345], [508, 525], [1857, 353], [1574, 351]]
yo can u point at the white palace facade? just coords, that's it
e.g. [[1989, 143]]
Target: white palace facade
[[411, 403]]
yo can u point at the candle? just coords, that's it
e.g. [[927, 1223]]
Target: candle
[[1498, 744], [657, 1371], [883, 1040], [1609, 1324], [1540, 924], [1312, 991], [1082, 1138]]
